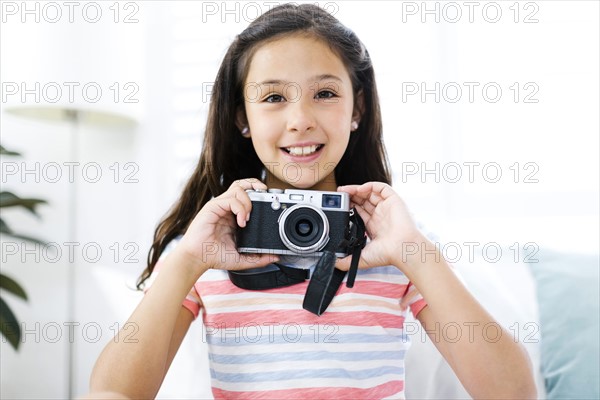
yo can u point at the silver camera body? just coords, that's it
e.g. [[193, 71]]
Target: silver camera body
[[296, 222]]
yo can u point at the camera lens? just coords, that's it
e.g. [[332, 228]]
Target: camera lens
[[304, 228]]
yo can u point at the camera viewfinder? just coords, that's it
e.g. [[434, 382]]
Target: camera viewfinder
[[331, 201]]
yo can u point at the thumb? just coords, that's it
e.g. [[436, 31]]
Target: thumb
[[256, 260], [367, 259], [343, 263]]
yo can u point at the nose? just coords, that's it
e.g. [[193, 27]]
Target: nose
[[301, 118]]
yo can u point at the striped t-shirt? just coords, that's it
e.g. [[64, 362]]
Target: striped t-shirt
[[264, 345]]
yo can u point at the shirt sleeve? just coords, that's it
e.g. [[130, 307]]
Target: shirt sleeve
[[413, 299], [192, 301]]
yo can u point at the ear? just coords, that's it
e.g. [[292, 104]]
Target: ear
[[240, 118], [359, 107]]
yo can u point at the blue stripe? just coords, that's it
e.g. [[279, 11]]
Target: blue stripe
[[394, 356], [306, 374], [388, 270], [257, 335]]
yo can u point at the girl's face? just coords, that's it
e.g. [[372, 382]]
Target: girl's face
[[299, 107]]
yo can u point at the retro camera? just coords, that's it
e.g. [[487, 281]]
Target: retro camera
[[296, 222]]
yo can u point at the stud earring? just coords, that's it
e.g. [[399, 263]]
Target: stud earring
[[354, 125], [246, 132]]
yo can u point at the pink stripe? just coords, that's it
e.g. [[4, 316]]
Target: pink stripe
[[303, 317], [193, 307], [385, 390], [391, 290], [417, 306]]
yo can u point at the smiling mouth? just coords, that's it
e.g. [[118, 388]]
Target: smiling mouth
[[304, 150]]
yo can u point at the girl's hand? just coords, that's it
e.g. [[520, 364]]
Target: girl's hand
[[388, 223], [210, 237]]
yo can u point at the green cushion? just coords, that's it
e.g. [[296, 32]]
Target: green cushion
[[568, 295]]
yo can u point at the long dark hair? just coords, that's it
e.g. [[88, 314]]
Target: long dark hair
[[227, 156]]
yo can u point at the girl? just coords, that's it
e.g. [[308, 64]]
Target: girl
[[295, 105]]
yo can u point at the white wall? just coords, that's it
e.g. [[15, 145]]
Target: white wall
[[172, 53]]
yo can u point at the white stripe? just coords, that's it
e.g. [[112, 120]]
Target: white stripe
[[283, 296], [192, 298], [303, 364], [272, 348], [362, 308], [291, 302], [249, 295], [213, 275], [296, 307], [249, 308], [365, 296], [310, 329], [324, 333], [350, 329]]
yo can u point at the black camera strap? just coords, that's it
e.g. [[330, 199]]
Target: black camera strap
[[261, 280], [323, 285], [325, 280]]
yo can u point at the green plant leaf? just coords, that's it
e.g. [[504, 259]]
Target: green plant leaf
[[4, 228], [5, 152], [12, 286], [8, 199], [28, 238], [9, 326]]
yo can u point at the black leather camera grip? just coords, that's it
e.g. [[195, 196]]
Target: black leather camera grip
[[323, 285]]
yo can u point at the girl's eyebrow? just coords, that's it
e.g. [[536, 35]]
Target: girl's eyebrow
[[324, 77], [316, 78]]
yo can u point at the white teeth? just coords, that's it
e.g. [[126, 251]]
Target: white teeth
[[302, 151]]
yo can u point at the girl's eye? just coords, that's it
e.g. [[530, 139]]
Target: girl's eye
[[274, 98], [326, 94]]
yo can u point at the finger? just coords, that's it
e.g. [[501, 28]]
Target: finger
[[249, 183], [368, 206], [244, 184], [363, 214], [358, 193], [256, 260], [241, 195], [350, 189], [238, 191], [381, 189], [344, 263], [245, 261], [359, 198], [233, 205], [369, 199], [368, 189]]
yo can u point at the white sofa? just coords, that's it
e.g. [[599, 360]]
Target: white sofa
[[550, 306]]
